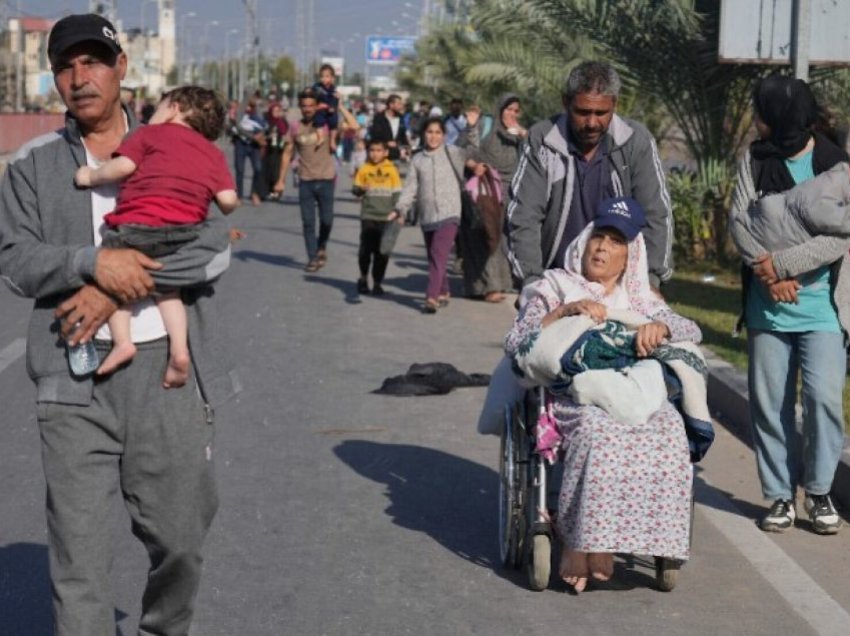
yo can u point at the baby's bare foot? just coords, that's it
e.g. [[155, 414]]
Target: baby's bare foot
[[177, 371], [573, 569], [600, 565], [120, 354]]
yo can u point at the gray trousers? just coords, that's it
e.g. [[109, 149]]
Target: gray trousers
[[155, 445]]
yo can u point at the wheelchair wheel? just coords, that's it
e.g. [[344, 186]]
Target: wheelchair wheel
[[666, 573], [540, 562], [512, 481]]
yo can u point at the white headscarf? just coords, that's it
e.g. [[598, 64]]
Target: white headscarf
[[633, 291]]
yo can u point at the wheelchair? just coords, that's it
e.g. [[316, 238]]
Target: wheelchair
[[526, 527]]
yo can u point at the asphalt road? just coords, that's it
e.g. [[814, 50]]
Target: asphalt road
[[348, 513]]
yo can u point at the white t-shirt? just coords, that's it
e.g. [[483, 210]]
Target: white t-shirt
[[146, 323], [394, 123]]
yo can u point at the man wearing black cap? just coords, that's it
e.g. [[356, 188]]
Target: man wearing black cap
[[123, 431]]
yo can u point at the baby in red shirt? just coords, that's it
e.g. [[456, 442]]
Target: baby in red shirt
[[170, 171]]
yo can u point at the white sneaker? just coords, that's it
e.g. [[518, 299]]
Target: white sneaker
[[825, 519], [780, 517]]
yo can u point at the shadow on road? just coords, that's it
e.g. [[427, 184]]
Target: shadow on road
[[350, 295], [25, 607], [702, 489], [25, 598], [420, 264], [269, 259], [451, 499]]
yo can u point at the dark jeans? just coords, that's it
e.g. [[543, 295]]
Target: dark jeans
[[242, 151], [370, 250], [347, 148], [311, 193]]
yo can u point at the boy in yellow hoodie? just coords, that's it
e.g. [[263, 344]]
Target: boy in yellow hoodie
[[378, 184]]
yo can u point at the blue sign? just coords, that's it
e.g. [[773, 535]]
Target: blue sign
[[388, 50]]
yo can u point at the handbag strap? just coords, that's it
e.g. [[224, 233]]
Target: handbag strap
[[457, 175]]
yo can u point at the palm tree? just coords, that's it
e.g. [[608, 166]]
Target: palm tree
[[666, 52], [492, 53]]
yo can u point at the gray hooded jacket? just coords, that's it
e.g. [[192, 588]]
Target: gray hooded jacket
[[819, 207], [47, 253], [783, 220], [542, 193]]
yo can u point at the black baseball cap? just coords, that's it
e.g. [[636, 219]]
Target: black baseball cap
[[81, 27], [623, 214]]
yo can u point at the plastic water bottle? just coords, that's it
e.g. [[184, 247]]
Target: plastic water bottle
[[83, 358]]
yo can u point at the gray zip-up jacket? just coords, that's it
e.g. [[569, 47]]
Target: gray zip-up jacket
[[542, 193], [432, 185], [47, 253], [823, 249], [783, 220]]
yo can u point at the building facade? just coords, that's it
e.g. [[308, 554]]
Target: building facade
[[26, 81]]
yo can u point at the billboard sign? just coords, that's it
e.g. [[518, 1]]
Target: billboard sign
[[388, 49]]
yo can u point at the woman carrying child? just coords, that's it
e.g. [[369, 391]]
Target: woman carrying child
[[796, 312]]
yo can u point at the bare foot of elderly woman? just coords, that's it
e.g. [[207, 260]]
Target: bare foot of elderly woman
[[573, 569], [600, 565]]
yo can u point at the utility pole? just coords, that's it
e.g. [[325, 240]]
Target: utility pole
[[305, 39], [252, 44]]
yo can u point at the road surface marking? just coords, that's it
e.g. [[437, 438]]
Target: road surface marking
[[808, 599]]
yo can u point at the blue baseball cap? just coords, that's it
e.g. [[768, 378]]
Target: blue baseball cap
[[623, 214]]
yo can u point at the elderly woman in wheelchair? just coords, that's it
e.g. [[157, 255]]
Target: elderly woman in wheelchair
[[614, 357]]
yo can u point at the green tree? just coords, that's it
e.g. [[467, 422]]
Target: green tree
[[667, 54], [283, 70], [173, 76]]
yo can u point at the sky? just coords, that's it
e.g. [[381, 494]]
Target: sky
[[340, 26]]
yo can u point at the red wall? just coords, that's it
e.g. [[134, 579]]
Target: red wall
[[18, 128]]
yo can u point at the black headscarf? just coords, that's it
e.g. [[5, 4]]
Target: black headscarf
[[788, 107]]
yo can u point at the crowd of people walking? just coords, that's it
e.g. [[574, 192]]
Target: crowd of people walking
[[513, 203], [572, 212], [446, 160]]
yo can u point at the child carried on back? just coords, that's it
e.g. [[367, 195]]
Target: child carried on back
[[170, 172], [327, 113]]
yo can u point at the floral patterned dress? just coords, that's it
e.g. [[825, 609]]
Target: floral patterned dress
[[626, 488]]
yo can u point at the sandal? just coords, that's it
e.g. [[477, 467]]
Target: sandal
[[494, 297], [443, 299], [431, 306], [312, 266], [321, 257]]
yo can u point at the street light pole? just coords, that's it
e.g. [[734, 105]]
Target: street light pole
[[205, 50], [227, 90]]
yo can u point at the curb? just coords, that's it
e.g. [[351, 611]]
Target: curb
[[728, 400]]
